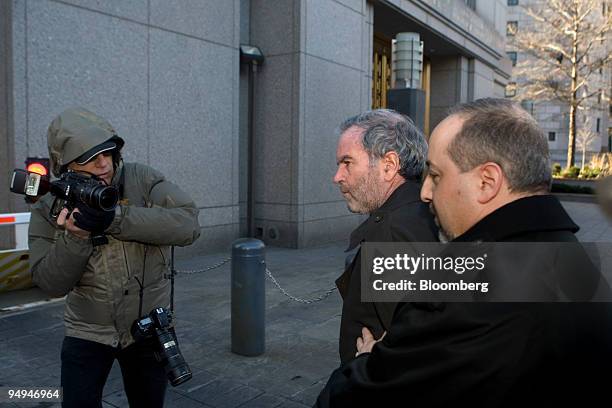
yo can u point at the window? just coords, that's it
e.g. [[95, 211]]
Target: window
[[511, 28], [513, 2], [513, 56], [552, 136], [471, 4], [511, 89], [598, 126], [528, 106]]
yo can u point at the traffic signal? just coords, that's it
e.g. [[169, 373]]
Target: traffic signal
[[38, 165]]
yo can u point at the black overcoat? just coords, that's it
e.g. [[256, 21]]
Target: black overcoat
[[488, 354], [403, 217]]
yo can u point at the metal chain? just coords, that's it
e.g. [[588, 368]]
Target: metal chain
[[297, 299], [270, 276], [208, 268]]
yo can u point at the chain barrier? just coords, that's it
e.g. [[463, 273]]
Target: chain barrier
[[208, 268], [297, 299], [268, 274]]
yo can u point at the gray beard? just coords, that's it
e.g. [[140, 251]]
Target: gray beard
[[368, 195]]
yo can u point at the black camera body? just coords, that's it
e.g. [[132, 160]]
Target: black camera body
[[157, 325], [70, 189]]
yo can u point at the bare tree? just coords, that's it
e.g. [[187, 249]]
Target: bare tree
[[566, 43], [585, 136]]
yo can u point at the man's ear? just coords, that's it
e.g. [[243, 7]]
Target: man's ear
[[490, 177], [391, 165]]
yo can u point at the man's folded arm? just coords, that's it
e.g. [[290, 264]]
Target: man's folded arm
[[172, 218]]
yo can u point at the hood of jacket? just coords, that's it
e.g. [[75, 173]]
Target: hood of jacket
[[74, 132]]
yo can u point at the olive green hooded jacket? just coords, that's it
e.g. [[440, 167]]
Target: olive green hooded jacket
[[102, 283]]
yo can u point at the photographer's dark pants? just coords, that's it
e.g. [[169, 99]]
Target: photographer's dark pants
[[86, 364]]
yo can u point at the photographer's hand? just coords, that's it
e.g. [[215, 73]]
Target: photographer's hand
[[67, 221], [91, 219]]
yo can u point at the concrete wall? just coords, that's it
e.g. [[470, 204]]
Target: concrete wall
[[7, 201], [458, 79], [449, 85], [6, 134], [316, 74], [166, 74], [494, 13]]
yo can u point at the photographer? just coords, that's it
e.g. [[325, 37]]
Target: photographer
[[108, 285]]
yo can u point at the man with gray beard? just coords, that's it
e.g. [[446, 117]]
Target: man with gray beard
[[381, 157]]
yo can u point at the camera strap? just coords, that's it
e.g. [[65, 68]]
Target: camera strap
[[121, 182], [172, 273], [141, 283]]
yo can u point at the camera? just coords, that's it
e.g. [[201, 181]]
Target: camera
[[70, 189], [157, 325]]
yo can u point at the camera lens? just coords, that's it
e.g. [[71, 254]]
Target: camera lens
[[99, 197], [107, 198], [177, 369]]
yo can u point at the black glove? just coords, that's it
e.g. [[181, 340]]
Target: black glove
[[92, 220]]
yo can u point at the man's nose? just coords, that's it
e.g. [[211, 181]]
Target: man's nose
[[100, 160], [339, 176], [426, 195]]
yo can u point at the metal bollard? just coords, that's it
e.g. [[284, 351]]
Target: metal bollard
[[248, 297]]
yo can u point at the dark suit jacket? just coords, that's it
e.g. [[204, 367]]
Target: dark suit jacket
[[488, 354], [403, 217]]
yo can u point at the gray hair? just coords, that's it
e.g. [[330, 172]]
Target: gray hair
[[385, 131], [500, 131]]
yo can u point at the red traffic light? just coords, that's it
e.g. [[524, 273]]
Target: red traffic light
[[37, 165]]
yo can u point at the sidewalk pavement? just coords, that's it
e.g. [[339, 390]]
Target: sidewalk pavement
[[301, 340]]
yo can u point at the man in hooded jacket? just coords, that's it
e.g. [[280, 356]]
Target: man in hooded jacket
[[105, 284]]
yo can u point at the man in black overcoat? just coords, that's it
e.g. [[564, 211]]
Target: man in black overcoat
[[381, 156], [488, 180]]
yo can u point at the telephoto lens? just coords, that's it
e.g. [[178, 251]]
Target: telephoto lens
[[176, 368], [157, 324]]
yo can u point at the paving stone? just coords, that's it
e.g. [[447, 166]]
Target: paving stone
[[235, 397], [184, 402], [309, 395], [292, 404], [214, 390], [263, 401]]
